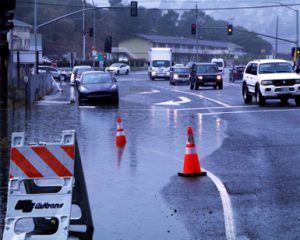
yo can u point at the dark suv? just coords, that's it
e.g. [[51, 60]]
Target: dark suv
[[206, 75]]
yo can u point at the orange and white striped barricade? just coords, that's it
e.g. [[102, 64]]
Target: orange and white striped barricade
[[45, 180]]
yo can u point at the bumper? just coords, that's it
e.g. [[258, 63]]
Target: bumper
[[282, 91], [99, 95], [161, 75], [208, 84], [182, 80]]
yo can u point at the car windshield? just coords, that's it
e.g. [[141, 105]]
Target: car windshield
[[116, 65], [207, 68], [81, 70], [275, 68], [181, 70], [161, 63], [96, 78]]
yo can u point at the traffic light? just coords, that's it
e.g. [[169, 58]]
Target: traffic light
[[6, 23], [108, 44], [193, 28], [133, 8], [91, 33], [7, 5], [229, 29]]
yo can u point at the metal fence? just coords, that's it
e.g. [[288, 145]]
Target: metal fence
[[38, 86]]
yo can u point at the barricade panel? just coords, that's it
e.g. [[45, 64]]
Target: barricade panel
[[32, 195]]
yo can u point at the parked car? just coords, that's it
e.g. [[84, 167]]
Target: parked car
[[236, 73], [179, 75], [77, 71], [97, 85], [56, 73], [270, 79], [118, 68], [66, 71], [206, 75]]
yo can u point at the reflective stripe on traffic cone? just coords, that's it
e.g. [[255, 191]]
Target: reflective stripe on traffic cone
[[120, 138], [191, 165]]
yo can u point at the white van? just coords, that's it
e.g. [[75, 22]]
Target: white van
[[220, 63]]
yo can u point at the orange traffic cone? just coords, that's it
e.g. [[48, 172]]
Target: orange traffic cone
[[191, 166], [120, 138]]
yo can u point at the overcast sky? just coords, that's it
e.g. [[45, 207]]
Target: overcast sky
[[261, 20]]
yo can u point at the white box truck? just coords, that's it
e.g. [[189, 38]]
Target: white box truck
[[220, 63], [159, 63]]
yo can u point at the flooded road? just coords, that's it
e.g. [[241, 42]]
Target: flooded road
[[135, 192]]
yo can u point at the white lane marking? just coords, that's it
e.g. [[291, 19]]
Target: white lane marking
[[204, 97], [252, 111], [53, 102], [226, 203], [182, 101], [208, 108], [152, 91], [87, 106]]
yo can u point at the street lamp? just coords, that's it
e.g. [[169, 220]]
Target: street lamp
[[297, 20]]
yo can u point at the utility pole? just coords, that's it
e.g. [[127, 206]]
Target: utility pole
[[276, 41], [35, 39], [197, 35], [94, 33], [83, 32]]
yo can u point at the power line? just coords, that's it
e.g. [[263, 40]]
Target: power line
[[175, 9]]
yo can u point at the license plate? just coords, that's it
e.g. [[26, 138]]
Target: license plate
[[284, 89], [209, 83]]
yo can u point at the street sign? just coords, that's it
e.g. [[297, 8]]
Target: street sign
[[100, 57]]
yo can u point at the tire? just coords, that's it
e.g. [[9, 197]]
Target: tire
[[220, 86], [215, 87], [297, 101], [246, 96], [191, 86], [196, 86], [127, 72], [260, 99]]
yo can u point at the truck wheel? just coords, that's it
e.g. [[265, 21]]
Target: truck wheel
[[260, 99], [246, 96]]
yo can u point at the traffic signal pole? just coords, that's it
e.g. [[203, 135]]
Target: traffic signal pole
[[3, 70]]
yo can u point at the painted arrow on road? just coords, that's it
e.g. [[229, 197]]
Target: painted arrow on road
[[182, 100]]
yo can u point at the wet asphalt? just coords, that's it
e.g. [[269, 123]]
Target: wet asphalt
[[135, 192]]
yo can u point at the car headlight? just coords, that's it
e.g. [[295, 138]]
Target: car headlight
[[297, 81], [83, 89], [219, 77], [200, 77], [113, 87], [153, 73], [168, 73], [175, 76], [266, 82]]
